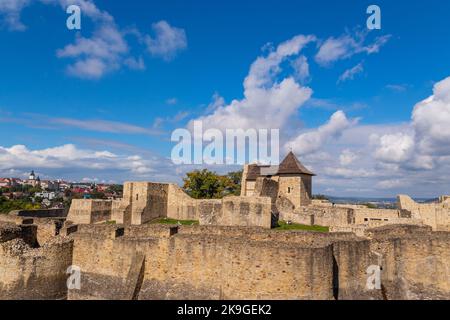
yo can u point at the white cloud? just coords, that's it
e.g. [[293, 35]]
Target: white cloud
[[10, 10], [267, 103], [397, 87], [314, 140], [390, 184], [94, 57], [395, 148], [172, 101], [347, 173], [347, 45], [351, 73], [301, 68], [97, 125], [431, 121], [106, 50], [71, 161], [428, 139], [347, 157], [167, 41], [135, 63]]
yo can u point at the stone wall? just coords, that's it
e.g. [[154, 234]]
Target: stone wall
[[436, 215], [210, 262], [40, 213], [86, 211], [237, 211], [180, 205], [415, 262], [201, 266], [33, 273]]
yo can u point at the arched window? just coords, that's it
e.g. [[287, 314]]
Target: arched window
[[137, 197]]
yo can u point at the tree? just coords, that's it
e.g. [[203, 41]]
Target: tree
[[235, 177], [205, 184]]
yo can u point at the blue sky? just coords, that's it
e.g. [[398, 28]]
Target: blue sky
[[100, 103]]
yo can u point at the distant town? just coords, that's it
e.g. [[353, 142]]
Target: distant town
[[34, 193]]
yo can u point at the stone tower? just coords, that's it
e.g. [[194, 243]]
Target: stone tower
[[295, 181]]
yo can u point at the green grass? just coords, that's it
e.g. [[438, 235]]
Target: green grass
[[174, 221], [110, 222], [282, 225]]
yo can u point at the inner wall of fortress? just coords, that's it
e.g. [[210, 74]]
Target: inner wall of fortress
[[198, 262]]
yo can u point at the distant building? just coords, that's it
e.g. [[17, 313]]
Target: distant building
[[50, 185], [33, 180], [5, 183], [46, 195]]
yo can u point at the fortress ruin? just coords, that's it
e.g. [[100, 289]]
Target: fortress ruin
[[233, 253]]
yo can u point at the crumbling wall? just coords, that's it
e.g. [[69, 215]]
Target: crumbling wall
[[32, 273], [436, 215], [415, 262]]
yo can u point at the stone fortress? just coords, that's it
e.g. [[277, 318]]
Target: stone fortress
[[233, 253]]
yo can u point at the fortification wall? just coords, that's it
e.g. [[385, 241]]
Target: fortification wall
[[436, 215], [415, 262], [181, 206], [200, 266], [27, 273], [85, 211], [325, 216], [364, 215], [205, 262], [40, 213]]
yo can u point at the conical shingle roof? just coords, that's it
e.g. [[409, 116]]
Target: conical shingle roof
[[291, 165]]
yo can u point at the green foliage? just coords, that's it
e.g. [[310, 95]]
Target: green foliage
[[97, 195], [320, 197], [174, 221], [7, 205], [205, 184], [116, 188], [282, 225]]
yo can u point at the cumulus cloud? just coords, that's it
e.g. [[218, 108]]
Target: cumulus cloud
[[70, 161], [107, 49], [347, 45], [167, 41], [312, 141], [428, 139], [267, 103], [351, 73], [395, 148]]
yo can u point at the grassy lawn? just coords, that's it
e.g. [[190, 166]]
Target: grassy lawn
[[282, 225], [174, 221]]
